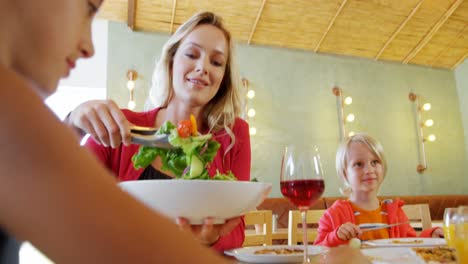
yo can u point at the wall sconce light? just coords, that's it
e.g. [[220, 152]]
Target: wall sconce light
[[248, 106], [131, 77], [251, 112], [250, 93], [421, 125], [252, 131], [342, 120]]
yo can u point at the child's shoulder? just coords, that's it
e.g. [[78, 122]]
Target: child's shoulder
[[392, 202], [341, 208], [387, 201], [340, 203]]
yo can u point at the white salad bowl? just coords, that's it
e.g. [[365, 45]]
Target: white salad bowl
[[197, 199]]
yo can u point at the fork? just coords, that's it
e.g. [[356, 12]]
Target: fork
[[365, 228], [147, 136]]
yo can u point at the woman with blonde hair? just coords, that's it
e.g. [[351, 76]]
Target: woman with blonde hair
[[195, 75]]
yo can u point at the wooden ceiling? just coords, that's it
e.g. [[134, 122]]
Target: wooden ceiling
[[432, 33]]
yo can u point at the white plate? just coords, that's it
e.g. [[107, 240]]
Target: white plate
[[407, 242], [247, 254], [398, 255]]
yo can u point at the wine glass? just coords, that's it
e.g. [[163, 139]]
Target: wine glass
[[302, 181]]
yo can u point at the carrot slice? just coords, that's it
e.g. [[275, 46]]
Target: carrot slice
[[194, 125]]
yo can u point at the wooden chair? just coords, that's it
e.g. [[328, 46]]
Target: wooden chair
[[418, 213], [295, 233], [262, 218]]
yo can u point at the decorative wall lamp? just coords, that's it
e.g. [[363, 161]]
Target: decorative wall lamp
[[421, 125], [342, 120], [248, 106], [131, 77]]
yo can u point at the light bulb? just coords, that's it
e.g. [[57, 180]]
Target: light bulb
[[350, 117], [350, 134], [429, 123], [251, 112], [251, 94], [426, 107], [348, 100], [431, 138], [252, 131], [130, 85], [131, 104]]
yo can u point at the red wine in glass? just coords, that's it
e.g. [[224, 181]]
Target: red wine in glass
[[301, 181], [303, 193]]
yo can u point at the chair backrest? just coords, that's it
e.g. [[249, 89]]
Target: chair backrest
[[418, 213], [294, 233], [262, 218]]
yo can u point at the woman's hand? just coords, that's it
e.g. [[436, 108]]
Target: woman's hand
[[103, 120], [208, 233], [438, 233], [348, 230]]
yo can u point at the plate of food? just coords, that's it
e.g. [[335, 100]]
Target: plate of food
[[398, 255], [274, 254], [443, 255], [193, 193], [407, 242]]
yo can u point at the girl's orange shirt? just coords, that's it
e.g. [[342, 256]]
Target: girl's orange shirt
[[377, 216]]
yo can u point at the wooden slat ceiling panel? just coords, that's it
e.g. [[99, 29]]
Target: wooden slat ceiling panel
[[239, 16], [456, 54], [299, 24], [115, 10], [449, 39], [444, 30], [364, 27], [154, 15], [424, 32], [416, 29]]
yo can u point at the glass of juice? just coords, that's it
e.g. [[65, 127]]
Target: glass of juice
[[461, 234], [449, 225]]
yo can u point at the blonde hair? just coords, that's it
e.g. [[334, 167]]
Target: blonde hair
[[225, 106], [342, 156]]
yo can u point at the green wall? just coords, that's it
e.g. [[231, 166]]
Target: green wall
[[295, 104], [461, 76]]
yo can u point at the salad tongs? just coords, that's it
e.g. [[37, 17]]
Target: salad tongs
[[147, 136]]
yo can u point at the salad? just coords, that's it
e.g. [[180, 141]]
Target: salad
[[189, 158]]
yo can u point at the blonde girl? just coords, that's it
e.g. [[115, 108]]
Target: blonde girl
[[361, 163]]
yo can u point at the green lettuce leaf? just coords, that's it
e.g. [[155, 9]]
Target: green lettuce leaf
[[177, 160]]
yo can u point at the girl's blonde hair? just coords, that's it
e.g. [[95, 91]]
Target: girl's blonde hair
[[342, 156], [225, 106]]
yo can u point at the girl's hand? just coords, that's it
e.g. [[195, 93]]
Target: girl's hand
[[348, 230], [208, 233], [103, 120], [438, 233]]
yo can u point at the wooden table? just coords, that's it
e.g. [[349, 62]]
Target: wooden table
[[394, 255], [282, 233]]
